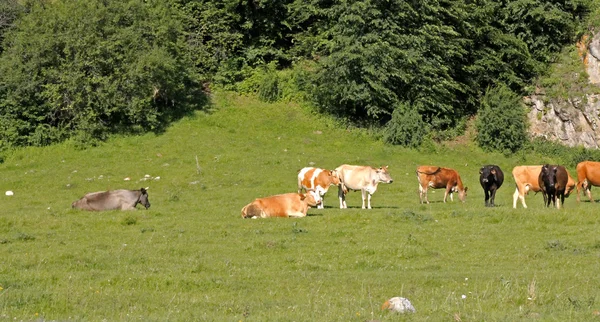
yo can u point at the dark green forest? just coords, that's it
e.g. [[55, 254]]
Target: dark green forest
[[83, 70]]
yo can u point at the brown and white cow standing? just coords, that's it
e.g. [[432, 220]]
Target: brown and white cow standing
[[527, 179], [283, 205], [317, 179], [588, 175], [113, 200], [363, 178], [437, 178]]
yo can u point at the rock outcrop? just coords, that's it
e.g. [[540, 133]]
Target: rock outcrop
[[574, 121]]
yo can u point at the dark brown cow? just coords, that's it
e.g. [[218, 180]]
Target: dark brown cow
[[113, 200], [438, 178], [553, 180], [588, 175], [491, 178]]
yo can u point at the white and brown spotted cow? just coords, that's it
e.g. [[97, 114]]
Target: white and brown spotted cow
[[317, 179], [284, 205], [363, 178]]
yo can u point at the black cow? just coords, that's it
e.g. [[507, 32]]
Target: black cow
[[491, 178], [553, 181]]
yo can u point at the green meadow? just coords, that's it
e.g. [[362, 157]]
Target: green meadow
[[191, 257]]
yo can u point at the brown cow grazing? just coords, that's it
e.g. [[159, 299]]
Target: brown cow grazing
[[284, 205], [363, 178], [553, 182], [113, 200], [317, 179], [588, 175], [437, 178]]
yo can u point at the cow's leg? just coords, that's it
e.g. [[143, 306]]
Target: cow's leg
[[487, 197], [342, 197], [579, 186], [363, 192], [519, 195], [448, 191], [369, 200], [589, 191], [423, 193]]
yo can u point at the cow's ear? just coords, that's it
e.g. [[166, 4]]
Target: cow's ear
[[494, 171], [302, 196], [481, 170], [143, 190]]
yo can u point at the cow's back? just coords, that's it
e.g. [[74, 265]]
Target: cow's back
[[283, 205], [108, 200], [527, 175], [590, 171], [354, 176]]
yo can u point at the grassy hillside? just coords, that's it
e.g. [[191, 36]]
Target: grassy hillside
[[190, 257]]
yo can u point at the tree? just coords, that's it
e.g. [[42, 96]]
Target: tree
[[502, 121], [92, 68]]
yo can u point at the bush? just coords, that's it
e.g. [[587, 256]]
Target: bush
[[502, 123], [94, 67], [406, 128]]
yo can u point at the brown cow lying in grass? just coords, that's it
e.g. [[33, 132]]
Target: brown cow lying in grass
[[284, 205], [113, 200]]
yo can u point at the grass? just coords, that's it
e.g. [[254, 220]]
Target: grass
[[191, 257]]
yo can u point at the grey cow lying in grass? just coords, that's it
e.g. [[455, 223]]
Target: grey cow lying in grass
[[113, 200]]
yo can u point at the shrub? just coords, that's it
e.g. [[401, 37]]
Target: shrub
[[406, 128], [502, 123], [94, 67]]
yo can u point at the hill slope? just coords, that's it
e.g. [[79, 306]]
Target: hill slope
[[191, 256]]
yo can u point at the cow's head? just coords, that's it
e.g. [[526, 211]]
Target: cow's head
[[462, 194], [334, 177], [383, 175], [548, 175], [144, 198], [487, 173], [311, 197]]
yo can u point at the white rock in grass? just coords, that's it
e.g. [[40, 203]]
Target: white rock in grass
[[398, 304], [9, 193], [127, 179]]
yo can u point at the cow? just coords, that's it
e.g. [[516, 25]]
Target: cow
[[553, 181], [527, 179], [437, 177], [317, 179], [363, 178], [283, 205], [588, 175], [491, 178], [113, 200]]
